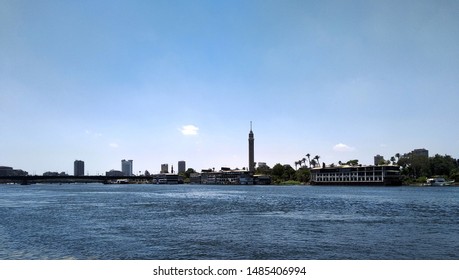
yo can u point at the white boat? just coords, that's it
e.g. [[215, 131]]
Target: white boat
[[438, 181]]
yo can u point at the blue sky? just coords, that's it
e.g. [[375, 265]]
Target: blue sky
[[163, 81]]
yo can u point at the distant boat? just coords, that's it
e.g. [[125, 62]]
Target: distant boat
[[438, 181]]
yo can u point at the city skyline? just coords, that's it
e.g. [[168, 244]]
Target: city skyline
[[127, 165], [161, 82]]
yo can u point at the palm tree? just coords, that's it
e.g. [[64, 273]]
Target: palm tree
[[303, 160], [393, 160], [309, 159], [296, 164], [313, 162], [397, 155], [317, 159]]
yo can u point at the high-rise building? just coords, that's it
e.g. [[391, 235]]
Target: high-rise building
[[78, 168], [126, 167], [164, 168], [420, 152], [251, 150], [262, 165], [181, 166], [378, 159]]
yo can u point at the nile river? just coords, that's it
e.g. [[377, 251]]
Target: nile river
[[227, 222]]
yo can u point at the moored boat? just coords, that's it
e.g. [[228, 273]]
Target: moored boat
[[438, 181], [372, 175]]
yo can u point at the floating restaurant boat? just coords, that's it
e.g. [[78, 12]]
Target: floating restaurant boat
[[383, 175]]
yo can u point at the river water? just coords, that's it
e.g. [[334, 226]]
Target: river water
[[195, 222]]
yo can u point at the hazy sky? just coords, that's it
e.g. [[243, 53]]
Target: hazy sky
[[163, 81]]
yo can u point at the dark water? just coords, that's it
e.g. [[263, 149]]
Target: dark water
[[219, 222]]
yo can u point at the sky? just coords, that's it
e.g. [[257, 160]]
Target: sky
[[163, 81]]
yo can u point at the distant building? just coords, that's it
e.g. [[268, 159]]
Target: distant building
[[262, 165], [181, 167], [9, 171], [164, 168], [420, 152], [171, 179], [126, 167], [114, 173], [227, 176], [51, 173], [78, 168], [378, 159]]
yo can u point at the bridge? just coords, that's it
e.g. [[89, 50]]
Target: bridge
[[27, 180]]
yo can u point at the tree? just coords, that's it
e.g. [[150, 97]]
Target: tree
[[278, 170], [282, 173], [397, 155], [289, 173], [414, 166], [317, 159], [188, 172], [263, 170], [303, 175], [353, 162], [309, 159], [442, 165]]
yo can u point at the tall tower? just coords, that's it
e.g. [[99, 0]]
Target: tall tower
[[251, 150]]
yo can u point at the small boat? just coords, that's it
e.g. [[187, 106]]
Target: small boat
[[438, 181]]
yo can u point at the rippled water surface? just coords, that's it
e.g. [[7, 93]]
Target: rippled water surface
[[219, 222]]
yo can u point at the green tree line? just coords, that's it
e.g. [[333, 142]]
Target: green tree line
[[417, 168], [285, 174]]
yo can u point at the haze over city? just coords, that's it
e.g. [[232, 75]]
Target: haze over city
[[161, 81]]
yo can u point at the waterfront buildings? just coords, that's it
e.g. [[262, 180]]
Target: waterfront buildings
[[181, 167], [9, 171], [114, 173], [126, 167], [251, 151], [78, 168], [388, 175], [53, 173], [166, 178], [227, 176]]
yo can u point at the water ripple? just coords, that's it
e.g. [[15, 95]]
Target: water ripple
[[219, 222]]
